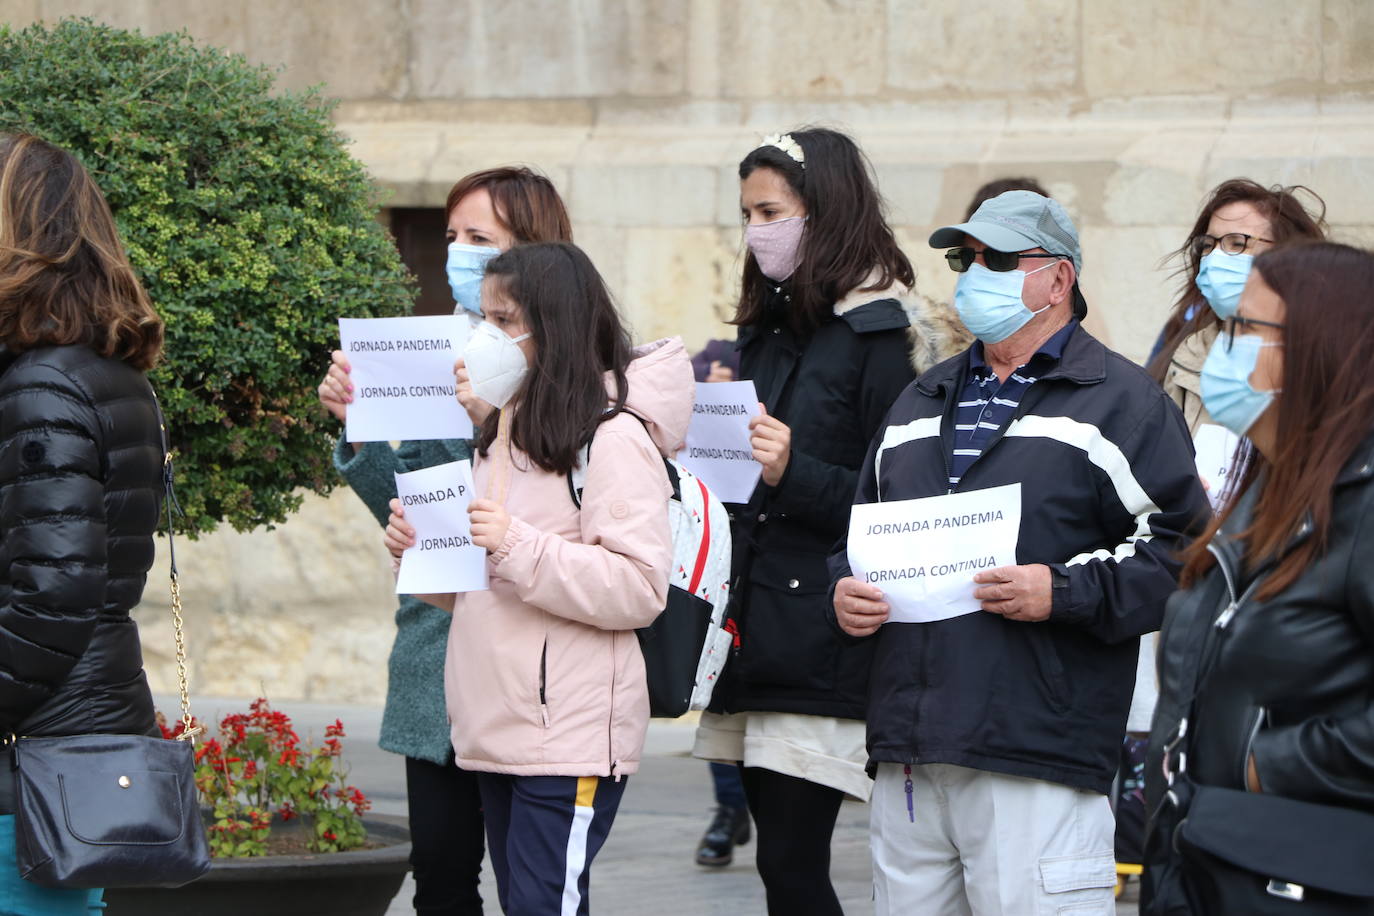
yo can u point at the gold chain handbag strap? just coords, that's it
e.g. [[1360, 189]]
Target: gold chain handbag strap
[[189, 730]]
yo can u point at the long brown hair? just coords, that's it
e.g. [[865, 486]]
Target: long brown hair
[[846, 236], [526, 203], [1289, 220], [64, 276], [578, 340], [1325, 411]]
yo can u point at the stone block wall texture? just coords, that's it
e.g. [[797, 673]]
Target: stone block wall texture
[[639, 110]]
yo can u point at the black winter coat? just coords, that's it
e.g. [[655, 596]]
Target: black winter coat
[[1108, 489], [832, 390], [80, 490], [1293, 676]]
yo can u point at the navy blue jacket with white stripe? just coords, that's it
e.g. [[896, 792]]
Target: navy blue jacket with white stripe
[[1109, 493]]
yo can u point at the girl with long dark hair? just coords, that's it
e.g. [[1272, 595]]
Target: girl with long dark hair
[[81, 460], [545, 680], [1267, 652], [488, 212], [826, 341]]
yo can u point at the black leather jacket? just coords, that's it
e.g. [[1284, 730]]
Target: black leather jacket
[[1293, 677], [80, 490]]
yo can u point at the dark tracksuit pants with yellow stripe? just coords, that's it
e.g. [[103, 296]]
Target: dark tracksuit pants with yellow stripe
[[542, 834]]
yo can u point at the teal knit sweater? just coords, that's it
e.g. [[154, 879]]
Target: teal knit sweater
[[415, 719]]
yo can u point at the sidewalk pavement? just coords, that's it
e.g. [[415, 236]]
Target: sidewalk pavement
[[646, 865]]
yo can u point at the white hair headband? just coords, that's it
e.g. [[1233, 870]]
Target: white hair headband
[[788, 145]]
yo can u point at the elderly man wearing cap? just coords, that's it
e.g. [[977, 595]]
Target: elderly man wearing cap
[[993, 736]]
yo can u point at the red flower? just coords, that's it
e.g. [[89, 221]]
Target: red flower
[[290, 757], [335, 731]]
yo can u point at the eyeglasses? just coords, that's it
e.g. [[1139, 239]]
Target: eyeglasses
[[961, 259], [1228, 329], [1231, 243]]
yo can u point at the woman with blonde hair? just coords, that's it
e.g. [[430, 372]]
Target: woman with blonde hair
[[81, 460]]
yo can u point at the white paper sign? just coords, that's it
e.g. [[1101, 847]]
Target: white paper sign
[[718, 449], [402, 375], [1216, 449], [924, 553], [444, 559]]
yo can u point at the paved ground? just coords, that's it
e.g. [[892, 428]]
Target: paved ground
[[646, 865]]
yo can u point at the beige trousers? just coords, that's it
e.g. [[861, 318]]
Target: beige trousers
[[983, 844]]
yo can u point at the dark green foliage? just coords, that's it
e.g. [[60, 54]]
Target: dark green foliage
[[252, 228]]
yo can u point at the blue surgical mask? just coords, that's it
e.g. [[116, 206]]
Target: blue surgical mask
[[989, 302], [1221, 277], [1226, 390], [466, 264]]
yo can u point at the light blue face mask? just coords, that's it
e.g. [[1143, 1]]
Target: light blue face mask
[[989, 301], [1226, 390], [466, 264], [1221, 277]]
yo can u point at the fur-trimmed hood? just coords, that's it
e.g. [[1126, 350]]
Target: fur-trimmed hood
[[936, 331]]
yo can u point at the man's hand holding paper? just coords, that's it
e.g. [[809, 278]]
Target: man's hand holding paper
[[1016, 592]]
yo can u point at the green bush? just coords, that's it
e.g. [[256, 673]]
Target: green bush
[[252, 228]]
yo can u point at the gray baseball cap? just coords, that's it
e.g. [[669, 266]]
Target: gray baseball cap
[[1016, 221]]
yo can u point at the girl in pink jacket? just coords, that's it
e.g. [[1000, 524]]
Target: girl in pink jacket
[[544, 679]]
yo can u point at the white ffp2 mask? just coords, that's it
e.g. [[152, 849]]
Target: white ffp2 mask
[[496, 364]]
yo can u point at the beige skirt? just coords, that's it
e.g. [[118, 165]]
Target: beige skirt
[[819, 749]]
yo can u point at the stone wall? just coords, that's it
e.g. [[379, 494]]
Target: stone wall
[[639, 111]]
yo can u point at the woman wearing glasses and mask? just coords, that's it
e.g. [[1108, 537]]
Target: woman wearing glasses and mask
[[1239, 220], [1263, 742]]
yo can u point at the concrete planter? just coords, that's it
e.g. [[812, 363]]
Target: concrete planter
[[355, 883]]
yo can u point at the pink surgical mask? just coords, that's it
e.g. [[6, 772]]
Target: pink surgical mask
[[776, 245]]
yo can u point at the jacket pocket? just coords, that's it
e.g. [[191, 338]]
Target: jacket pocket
[[785, 640], [1048, 668], [543, 683]]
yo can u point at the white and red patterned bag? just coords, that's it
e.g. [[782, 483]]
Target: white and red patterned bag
[[686, 646]]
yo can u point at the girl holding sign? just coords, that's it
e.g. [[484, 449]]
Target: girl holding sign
[[488, 212], [825, 338], [545, 679]]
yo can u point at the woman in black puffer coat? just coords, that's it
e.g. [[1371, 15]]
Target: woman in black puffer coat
[[826, 340], [80, 474]]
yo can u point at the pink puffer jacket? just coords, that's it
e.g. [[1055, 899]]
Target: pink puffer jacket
[[544, 674]]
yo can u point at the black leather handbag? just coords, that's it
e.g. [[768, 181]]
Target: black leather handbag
[[112, 810], [1228, 851]]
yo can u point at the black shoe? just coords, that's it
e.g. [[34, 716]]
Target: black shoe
[[729, 828]]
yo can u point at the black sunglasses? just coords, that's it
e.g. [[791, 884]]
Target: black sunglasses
[[961, 259], [1228, 328]]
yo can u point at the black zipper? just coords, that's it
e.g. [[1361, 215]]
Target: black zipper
[[543, 670]]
